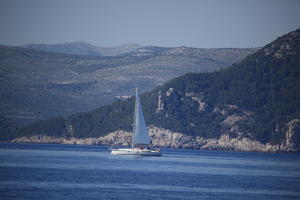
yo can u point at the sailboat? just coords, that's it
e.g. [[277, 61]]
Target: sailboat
[[140, 144]]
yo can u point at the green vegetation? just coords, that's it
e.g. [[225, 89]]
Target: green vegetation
[[55, 127], [37, 85], [8, 129], [265, 84]]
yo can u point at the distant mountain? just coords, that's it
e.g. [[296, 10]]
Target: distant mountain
[[37, 85], [252, 106], [83, 48]]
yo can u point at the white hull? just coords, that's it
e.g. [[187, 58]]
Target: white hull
[[135, 151], [140, 135]]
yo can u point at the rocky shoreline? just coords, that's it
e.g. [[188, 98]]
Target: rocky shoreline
[[166, 138]]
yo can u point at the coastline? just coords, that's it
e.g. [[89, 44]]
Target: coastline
[[167, 139]]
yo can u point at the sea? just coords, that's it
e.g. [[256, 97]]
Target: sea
[[56, 171]]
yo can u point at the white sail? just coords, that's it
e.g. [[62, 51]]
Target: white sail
[[140, 135]]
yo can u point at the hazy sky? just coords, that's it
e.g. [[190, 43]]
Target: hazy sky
[[197, 23]]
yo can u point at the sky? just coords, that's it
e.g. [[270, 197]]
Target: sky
[[168, 23]]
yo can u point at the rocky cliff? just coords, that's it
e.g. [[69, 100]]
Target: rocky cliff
[[166, 138], [251, 106]]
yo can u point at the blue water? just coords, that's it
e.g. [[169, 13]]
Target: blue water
[[32, 171]]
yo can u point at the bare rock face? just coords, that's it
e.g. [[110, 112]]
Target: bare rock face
[[292, 136], [116, 138], [160, 103], [121, 138], [38, 139], [225, 142], [169, 92], [166, 138], [232, 119], [199, 99]]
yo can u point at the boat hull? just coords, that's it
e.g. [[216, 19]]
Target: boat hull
[[136, 152]]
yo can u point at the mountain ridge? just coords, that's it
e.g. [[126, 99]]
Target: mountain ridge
[[84, 48], [254, 100], [38, 84]]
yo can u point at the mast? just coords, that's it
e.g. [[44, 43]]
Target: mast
[[135, 113], [141, 136]]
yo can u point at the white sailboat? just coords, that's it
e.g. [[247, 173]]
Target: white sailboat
[[140, 139]]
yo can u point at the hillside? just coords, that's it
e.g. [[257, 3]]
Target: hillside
[[83, 48], [37, 85], [8, 128], [252, 105]]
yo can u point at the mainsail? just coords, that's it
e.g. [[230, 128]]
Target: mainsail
[[140, 135]]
